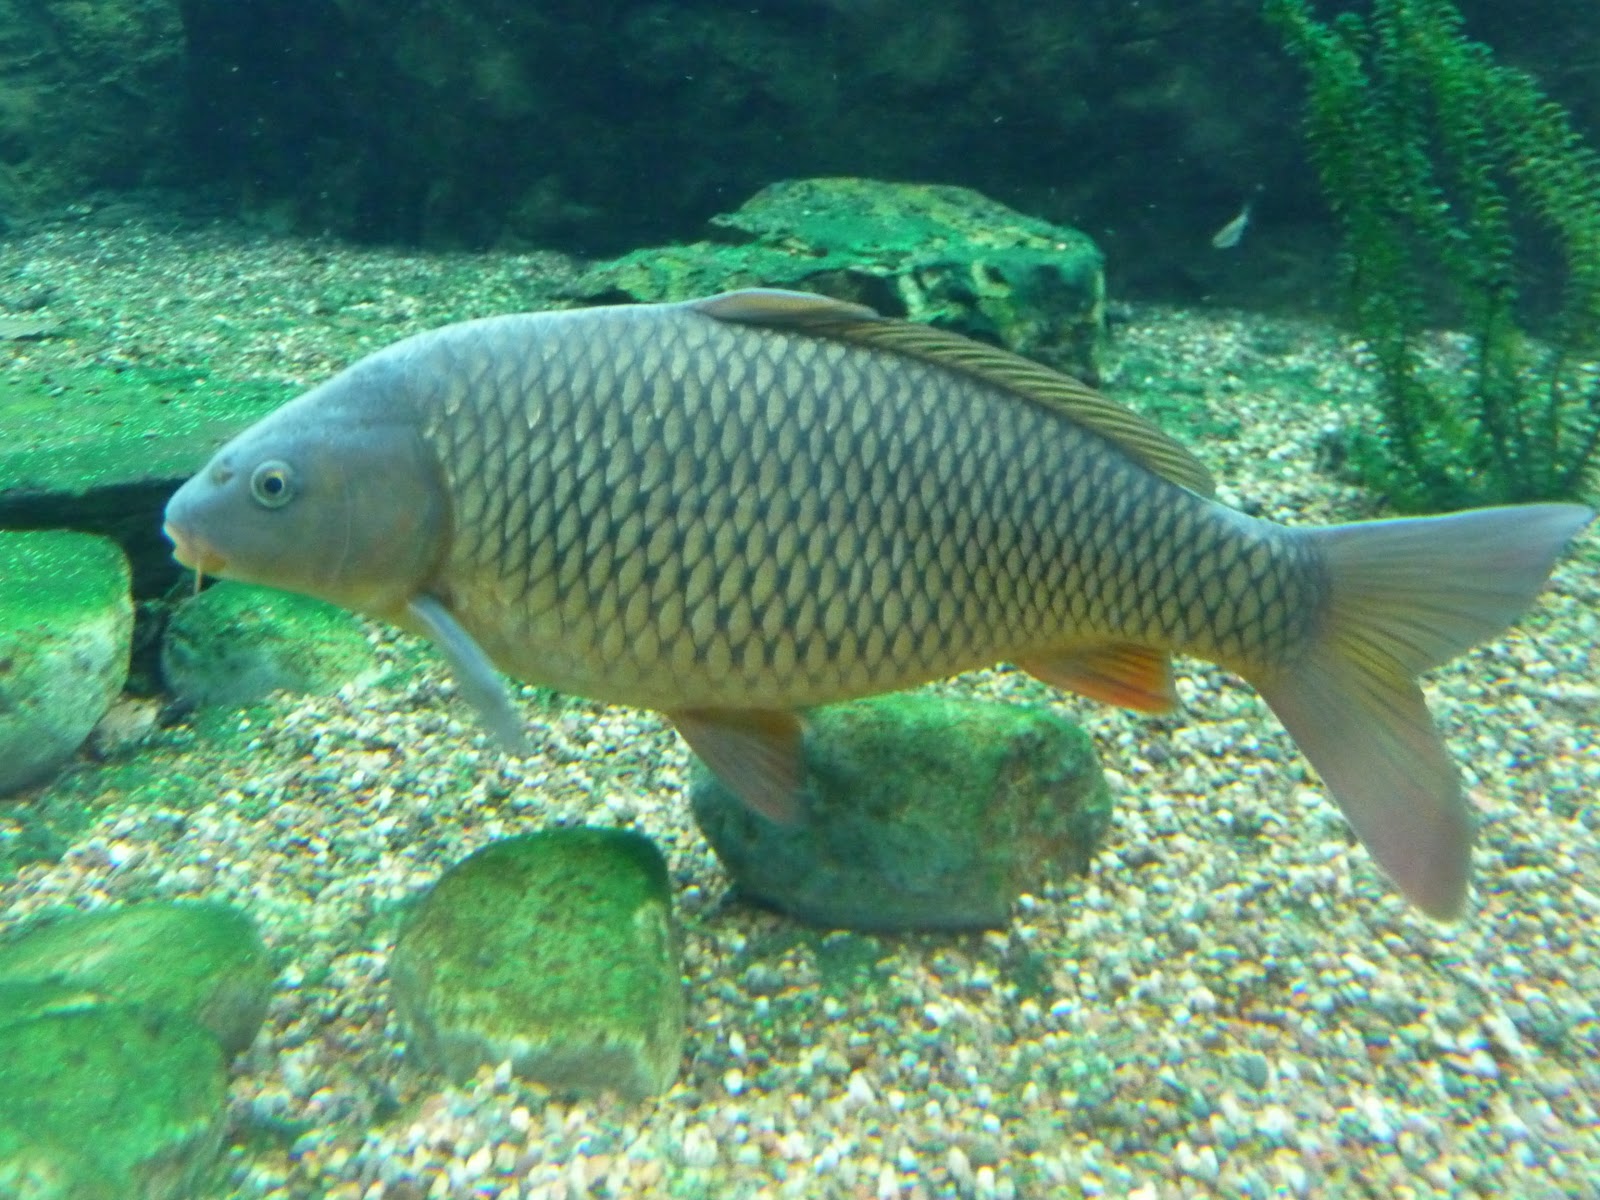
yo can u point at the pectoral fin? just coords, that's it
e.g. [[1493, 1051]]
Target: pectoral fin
[[755, 753], [481, 685], [1123, 674]]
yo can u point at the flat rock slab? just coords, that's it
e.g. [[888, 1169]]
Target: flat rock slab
[[100, 450]]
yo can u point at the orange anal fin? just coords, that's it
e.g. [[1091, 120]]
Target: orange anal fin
[[1119, 673], [755, 752]]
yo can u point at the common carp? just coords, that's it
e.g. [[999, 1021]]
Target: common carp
[[736, 508]]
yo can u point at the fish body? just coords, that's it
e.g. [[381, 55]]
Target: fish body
[[734, 509], [1231, 234], [708, 515]]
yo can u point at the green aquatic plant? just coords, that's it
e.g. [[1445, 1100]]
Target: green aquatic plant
[[1438, 161]]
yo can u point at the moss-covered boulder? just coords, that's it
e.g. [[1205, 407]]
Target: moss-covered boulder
[[201, 962], [554, 951], [66, 629], [101, 1100], [235, 643], [920, 812], [945, 255]]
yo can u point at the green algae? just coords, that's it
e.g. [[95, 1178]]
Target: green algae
[[66, 622], [65, 576], [198, 960], [555, 950], [84, 428], [942, 255], [104, 1101]]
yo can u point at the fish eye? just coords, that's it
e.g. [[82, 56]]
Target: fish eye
[[272, 484]]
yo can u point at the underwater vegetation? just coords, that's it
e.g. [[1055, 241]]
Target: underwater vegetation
[[1436, 159]]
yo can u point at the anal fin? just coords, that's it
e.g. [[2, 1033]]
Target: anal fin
[[754, 752], [1120, 673]]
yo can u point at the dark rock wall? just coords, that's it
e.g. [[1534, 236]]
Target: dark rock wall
[[90, 97]]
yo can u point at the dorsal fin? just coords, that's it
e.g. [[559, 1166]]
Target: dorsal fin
[[821, 316]]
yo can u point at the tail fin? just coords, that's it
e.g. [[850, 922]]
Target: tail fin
[[1406, 596]]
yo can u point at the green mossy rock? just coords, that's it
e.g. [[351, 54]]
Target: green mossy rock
[[922, 812], [944, 255], [555, 951], [104, 1101], [202, 962], [66, 629], [234, 644]]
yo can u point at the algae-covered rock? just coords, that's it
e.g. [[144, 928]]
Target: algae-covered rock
[[66, 629], [944, 255], [554, 951], [920, 812], [202, 962], [101, 1100], [234, 644]]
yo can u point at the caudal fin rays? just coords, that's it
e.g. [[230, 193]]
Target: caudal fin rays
[[1406, 596], [1374, 743]]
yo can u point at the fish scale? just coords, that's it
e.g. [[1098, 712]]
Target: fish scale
[[815, 550], [735, 508]]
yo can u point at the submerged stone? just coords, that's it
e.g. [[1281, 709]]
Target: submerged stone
[[920, 812], [102, 1100], [66, 628], [234, 644], [944, 255], [554, 951], [201, 961]]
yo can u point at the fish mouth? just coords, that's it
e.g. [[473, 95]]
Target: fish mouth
[[193, 553]]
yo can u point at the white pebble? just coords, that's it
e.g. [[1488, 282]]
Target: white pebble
[[860, 1090], [960, 1168], [479, 1162], [1274, 1121], [699, 1147]]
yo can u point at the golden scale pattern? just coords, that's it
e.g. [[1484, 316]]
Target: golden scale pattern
[[693, 513]]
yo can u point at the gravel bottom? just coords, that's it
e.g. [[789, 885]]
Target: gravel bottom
[[1232, 1003]]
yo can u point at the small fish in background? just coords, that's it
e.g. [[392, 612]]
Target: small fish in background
[[733, 509], [1231, 234]]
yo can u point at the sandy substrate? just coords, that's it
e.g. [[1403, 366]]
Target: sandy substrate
[[1233, 1003]]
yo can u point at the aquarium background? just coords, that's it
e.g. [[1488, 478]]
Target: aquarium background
[[221, 869], [593, 127]]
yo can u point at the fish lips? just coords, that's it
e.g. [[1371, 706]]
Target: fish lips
[[193, 552]]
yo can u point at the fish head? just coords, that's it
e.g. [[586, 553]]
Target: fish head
[[335, 495]]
